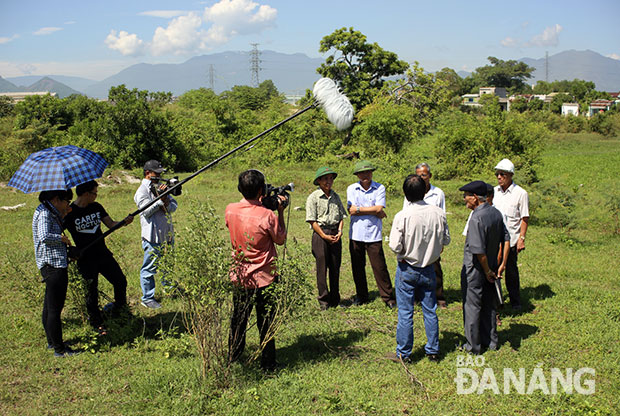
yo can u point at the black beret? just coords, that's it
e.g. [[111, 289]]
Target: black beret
[[475, 187]]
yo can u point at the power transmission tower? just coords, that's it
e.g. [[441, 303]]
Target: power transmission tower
[[211, 77], [255, 64], [547, 67]]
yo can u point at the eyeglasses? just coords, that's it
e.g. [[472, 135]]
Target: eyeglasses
[[466, 194], [500, 173]]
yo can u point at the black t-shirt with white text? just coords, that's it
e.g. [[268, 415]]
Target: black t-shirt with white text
[[84, 224]]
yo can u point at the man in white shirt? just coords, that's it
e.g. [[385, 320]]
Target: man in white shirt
[[433, 196], [419, 233], [512, 201]]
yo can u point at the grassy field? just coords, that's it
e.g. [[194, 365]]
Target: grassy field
[[334, 361]]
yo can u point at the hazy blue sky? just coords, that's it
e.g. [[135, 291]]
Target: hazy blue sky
[[96, 39]]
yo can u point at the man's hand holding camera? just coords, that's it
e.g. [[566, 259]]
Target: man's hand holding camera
[[282, 203]]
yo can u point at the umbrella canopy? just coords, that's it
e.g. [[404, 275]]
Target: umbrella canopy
[[61, 167]]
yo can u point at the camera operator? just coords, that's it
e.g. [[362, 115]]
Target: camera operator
[[254, 232], [157, 229]]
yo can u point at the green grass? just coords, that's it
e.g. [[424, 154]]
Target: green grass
[[333, 360]]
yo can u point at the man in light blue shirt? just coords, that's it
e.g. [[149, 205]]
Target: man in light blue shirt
[[157, 230], [365, 201]]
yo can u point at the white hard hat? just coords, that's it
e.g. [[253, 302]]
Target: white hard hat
[[506, 166]]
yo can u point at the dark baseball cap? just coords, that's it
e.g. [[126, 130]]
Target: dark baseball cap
[[154, 166]]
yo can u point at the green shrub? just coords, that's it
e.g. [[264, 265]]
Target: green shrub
[[383, 127], [552, 204], [470, 145], [199, 265], [607, 124]]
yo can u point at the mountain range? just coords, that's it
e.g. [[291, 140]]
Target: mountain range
[[586, 65], [291, 73]]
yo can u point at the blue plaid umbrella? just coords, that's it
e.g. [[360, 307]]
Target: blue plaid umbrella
[[61, 167]]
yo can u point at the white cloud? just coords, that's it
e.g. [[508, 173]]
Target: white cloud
[[510, 42], [70, 22], [192, 32], [238, 17], [7, 40], [167, 14], [614, 56], [126, 43], [549, 37], [47, 31], [182, 35]]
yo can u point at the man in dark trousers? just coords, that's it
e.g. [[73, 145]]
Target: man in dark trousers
[[513, 202], [366, 201], [254, 232], [84, 223], [485, 232], [325, 214]]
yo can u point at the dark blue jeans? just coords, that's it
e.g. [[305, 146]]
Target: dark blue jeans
[[416, 283]]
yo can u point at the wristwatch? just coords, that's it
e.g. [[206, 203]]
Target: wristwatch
[[522, 237], [358, 209]]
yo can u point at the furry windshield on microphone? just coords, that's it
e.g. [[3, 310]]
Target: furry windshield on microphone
[[335, 104]]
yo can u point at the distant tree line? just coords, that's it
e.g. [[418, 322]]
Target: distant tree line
[[396, 104]]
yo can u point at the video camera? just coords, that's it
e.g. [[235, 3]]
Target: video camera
[[271, 199], [156, 180]]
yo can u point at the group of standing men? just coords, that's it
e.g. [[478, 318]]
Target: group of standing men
[[494, 237]]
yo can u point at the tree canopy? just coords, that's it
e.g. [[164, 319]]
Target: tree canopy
[[360, 67], [507, 74]]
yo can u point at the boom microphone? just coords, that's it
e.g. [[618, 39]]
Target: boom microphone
[[327, 96]]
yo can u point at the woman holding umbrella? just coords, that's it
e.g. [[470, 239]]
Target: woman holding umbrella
[[50, 248], [53, 172]]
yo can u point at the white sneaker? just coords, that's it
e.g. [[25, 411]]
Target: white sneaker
[[151, 304]]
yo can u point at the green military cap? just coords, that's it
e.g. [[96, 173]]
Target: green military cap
[[363, 166], [322, 171]]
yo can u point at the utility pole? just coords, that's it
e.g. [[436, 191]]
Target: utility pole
[[547, 67], [255, 64], [211, 77]]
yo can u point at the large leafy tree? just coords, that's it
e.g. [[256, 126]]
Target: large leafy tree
[[360, 67], [136, 130], [508, 74], [405, 109]]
